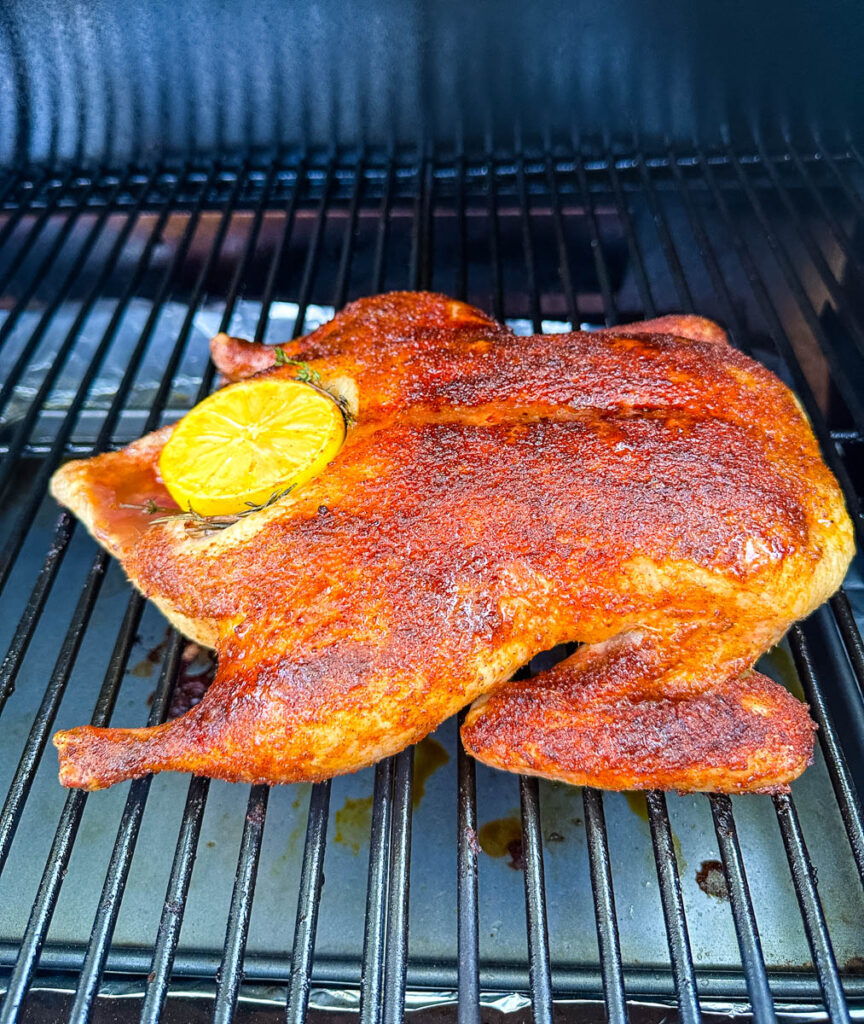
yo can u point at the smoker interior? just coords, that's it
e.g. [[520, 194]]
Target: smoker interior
[[427, 879]]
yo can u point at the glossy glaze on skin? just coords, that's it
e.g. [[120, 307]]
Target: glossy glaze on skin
[[497, 496]]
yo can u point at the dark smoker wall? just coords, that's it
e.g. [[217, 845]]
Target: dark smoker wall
[[109, 80]]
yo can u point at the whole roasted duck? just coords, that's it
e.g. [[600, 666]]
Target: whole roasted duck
[[647, 491]]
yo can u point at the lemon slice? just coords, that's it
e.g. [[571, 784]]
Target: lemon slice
[[249, 441]]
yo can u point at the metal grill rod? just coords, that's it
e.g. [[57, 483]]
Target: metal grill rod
[[600, 267], [854, 648], [396, 943], [786, 351], [312, 876], [834, 225], [793, 851], [9, 186], [67, 829], [844, 788], [22, 781], [528, 249], [832, 285], [752, 959], [19, 208], [606, 917], [346, 255], [494, 242], [670, 253], [649, 306], [309, 898], [851, 637], [708, 257], [849, 191], [664, 236], [116, 407], [174, 904], [372, 978], [661, 832], [311, 264], [36, 228], [229, 975], [213, 252], [104, 438], [121, 854], [565, 273], [461, 283], [383, 228], [64, 530], [270, 283], [855, 151], [845, 374], [234, 289], [420, 269], [673, 908], [39, 276], [811, 909], [467, 909], [34, 606], [230, 972], [539, 964], [824, 153], [15, 536]]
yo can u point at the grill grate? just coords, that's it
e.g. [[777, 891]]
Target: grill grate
[[110, 285]]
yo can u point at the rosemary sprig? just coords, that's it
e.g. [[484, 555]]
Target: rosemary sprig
[[149, 507], [305, 373], [196, 523]]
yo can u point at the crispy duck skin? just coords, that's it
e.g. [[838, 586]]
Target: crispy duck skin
[[648, 491], [601, 719]]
